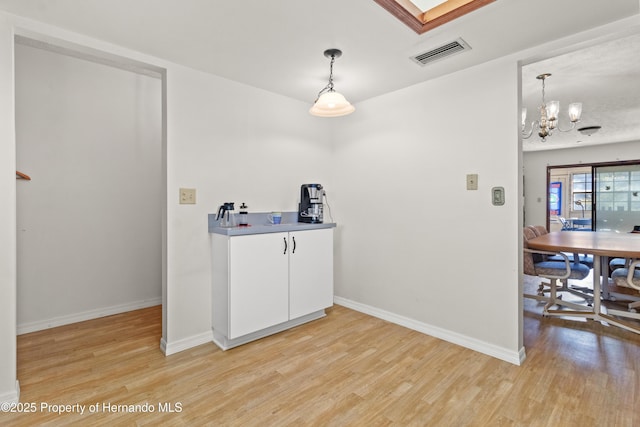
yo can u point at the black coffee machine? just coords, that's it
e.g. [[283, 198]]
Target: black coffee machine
[[310, 207]]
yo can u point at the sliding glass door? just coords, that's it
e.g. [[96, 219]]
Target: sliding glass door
[[617, 197]]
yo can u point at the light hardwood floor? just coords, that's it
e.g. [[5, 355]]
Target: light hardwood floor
[[345, 369]]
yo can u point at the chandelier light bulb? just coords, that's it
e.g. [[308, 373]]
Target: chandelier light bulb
[[553, 107], [575, 111]]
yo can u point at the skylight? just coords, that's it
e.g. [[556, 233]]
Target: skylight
[[424, 15], [425, 5]]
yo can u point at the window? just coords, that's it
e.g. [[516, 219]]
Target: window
[[619, 191], [617, 197], [581, 192], [634, 187], [422, 16], [608, 191]]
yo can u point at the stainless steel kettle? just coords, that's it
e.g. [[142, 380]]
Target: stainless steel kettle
[[226, 215]]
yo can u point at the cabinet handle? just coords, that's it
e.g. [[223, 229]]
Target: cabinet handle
[[285, 246], [294, 244]]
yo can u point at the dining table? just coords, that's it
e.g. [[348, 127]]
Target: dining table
[[602, 245]]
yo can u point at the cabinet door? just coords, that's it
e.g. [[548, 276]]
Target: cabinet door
[[258, 282], [310, 271]]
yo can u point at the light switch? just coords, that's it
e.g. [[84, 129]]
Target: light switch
[[472, 181], [187, 196]]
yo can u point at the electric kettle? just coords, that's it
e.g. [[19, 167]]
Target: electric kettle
[[226, 215]]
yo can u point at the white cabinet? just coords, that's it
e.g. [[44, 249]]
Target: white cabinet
[[310, 271], [266, 283], [259, 288]]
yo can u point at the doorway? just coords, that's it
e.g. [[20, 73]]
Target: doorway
[[569, 198], [90, 131]]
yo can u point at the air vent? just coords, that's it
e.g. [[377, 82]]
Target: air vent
[[441, 52]]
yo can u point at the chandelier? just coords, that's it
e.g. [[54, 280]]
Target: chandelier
[[330, 103], [548, 120]]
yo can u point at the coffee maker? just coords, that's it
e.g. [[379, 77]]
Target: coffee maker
[[226, 215], [311, 203]]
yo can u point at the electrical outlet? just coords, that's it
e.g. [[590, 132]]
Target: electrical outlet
[[472, 181], [187, 196]]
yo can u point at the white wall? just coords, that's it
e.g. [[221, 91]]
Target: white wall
[[414, 243], [8, 384], [414, 146], [89, 231], [535, 170], [232, 143], [229, 141]]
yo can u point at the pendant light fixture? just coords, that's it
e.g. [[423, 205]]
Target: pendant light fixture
[[548, 120], [330, 103]]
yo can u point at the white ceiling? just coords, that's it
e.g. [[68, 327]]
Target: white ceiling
[[278, 45], [604, 77]]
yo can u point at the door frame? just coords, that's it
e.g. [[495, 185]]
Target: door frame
[[593, 166]]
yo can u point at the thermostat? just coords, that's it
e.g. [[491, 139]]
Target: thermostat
[[497, 196]]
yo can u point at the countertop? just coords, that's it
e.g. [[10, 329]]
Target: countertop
[[259, 224]]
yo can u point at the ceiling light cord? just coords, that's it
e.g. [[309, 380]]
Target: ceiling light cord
[[329, 86], [330, 103]]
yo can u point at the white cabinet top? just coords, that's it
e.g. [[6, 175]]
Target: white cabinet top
[[259, 224]]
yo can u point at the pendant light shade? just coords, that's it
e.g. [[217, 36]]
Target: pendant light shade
[[330, 103]]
